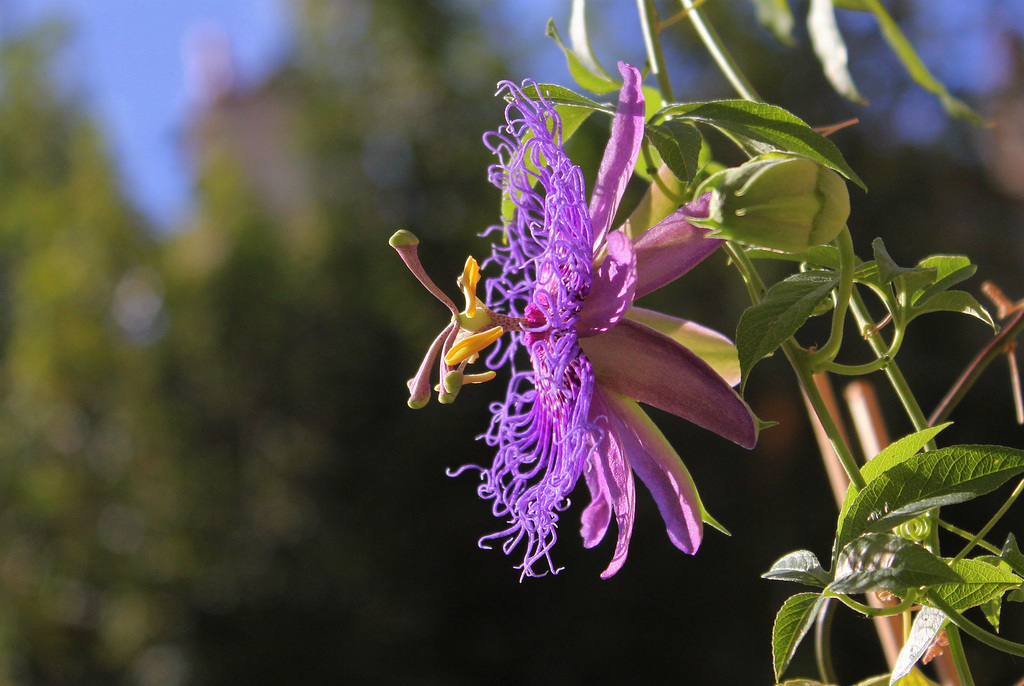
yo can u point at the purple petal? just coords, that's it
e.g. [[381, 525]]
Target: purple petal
[[620, 154], [611, 292], [598, 514], [612, 458], [659, 467], [709, 345], [640, 363], [672, 247]]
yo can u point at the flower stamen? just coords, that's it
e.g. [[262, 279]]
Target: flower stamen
[[468, 282], [472, 344]]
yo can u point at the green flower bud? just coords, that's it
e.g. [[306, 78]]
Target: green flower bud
[[777, 201]]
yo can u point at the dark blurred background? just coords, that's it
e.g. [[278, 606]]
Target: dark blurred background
[[208, 473]]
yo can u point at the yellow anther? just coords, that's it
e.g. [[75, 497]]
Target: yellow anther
[[471, 345], [478, 378], [469, 281]]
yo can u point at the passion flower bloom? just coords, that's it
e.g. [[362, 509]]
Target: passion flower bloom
[[565, 292]]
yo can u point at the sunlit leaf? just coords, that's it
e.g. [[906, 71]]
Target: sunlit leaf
[[913, 64], [794, 619], [981, 583], [927, 625], [580, 39], [787, 305], [887, 562], [926, 480], [777, 17], [679, 144], [955, 301], [763, 128], [831, 49], [584, 76], [801, 566]]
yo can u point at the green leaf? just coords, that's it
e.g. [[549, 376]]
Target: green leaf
[[954, 301], [825, 256], [926, 480], [801, 566], [764, 128], [914, 66], [911, 278], [776, 16], [787, 305], [559, 96], [927, 625], [831, 49], [981, 583], [915, 678], [791, 625], [580, 39], [900, 451], [857, 5], [1012, 556], [584, 76], [887, 562], [678, 143]]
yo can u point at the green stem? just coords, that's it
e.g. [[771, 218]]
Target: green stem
[[991, 523], [956, 651], [798, 359], [651, 28], [847, 259], [869, 611], [973, 630], [968, 536], [892, 370], [719, 53], [823, 643]]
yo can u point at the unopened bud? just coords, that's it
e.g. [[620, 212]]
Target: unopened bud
[[778, 201]]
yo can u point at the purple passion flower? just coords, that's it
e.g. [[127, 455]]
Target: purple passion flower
[[579, 353]]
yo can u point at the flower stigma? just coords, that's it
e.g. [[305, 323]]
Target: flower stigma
[[467, 334]]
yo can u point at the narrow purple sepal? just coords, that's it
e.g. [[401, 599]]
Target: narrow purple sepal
[[672, 247], [612, 458], [638, 362], [663, 473], [598, 514], [620, 155], [612, 288]]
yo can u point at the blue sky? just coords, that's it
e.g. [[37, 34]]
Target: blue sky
[[126, 61]]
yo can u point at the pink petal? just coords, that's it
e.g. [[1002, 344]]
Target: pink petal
[[611, 292], [707, 344], [612, 458], [620, 154], [638, 362], [598, 514], [659, 467], [672, 247]]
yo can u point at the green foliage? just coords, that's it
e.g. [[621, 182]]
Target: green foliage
[[886, 562], [830, 48], [759, 128], [583, 68], [679, 144], [801, 566], [926, 480], [792, 623], [982, 582], [787, 305], [777, 17]]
